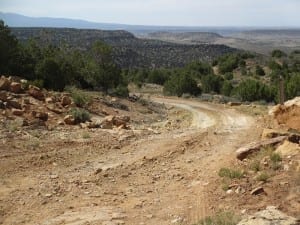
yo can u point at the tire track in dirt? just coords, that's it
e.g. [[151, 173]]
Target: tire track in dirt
[[158, 179]]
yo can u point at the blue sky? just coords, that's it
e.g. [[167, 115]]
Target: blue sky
[[165, 12]]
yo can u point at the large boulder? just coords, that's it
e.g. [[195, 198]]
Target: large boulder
[[251, 148], [36, 93], [4, 83], [270, 216]]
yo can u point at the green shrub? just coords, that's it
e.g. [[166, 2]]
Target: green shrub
[[259, 71], [232, 174], [228, 76], [276, 161], [275, 157], [158, 76], [121, 91], [226, 88], [225, 187], [228, 63], [253, 90], [277, 53], [79, 97], [143, 102], [80, 115], [86, 135], [13, 125], [293, 86], [274, 66], [263, 177], [212, 83], [255, 165], [182, 83], [220, 218], [199, 69]]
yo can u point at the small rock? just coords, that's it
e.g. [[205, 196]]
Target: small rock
[[118, 216], [4, 83], [60, 123], [107, 123], [40, 115], [2, 105], [15, 87], [234, 103], [36, 93], [189, 161], [99, 170], [3, 96], [66, 100], [124, 118], [54, 176], [69, 119], [243, 211], [83, 125], [257, 191], [25, 101], [238, 190], [48, 195], [17, 112], [56, 108], [177, 220], [49, 100], [13, 103], [229, 192], [94, 125], [149, 216]]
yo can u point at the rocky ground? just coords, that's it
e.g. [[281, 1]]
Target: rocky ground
[[134, 162]]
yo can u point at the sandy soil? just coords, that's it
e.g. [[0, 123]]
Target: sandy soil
[[128, 177]]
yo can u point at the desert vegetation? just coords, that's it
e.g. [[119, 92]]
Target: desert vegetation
[[244, 76]]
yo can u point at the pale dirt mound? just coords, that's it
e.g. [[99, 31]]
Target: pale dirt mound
[[288, 114]]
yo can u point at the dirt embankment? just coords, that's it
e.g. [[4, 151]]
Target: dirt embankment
[[288, 114]]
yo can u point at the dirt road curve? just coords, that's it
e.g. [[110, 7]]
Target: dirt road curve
[[157, 179]]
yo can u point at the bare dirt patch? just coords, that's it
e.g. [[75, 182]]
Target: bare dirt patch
[[155, 173]]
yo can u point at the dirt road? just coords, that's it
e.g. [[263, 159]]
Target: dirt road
[[156, 179]]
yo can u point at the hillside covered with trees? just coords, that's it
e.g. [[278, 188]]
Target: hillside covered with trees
[[127, 50], [92, 64]]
